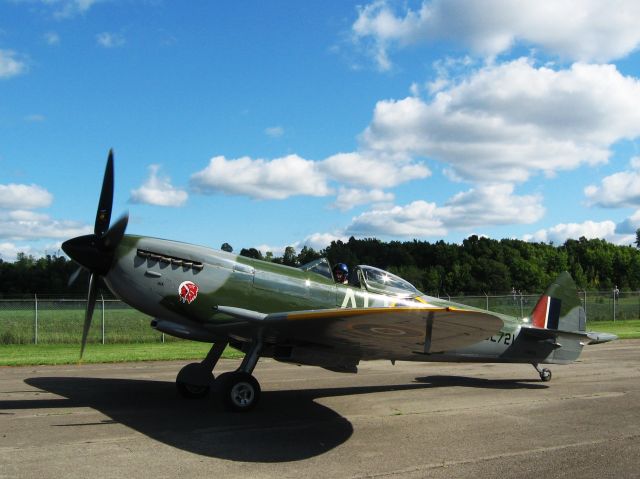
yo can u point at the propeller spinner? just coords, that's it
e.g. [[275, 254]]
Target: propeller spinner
[[95, 252]]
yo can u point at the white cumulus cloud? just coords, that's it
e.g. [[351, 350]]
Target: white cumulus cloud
[[22, 225], [279, 178], [417, 219], [10, 64], [375, 170], [18, 221], [564, 231], [292, 175], [317, 241], [9, 251], [491, 205], [63, 9], [629, 225], [320, 241], [158, 190], [589, 30], [619, 190], [506, 122], [348, 198], [19, 196], [487, 205]]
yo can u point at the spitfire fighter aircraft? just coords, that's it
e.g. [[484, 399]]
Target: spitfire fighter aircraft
[[303, 316]]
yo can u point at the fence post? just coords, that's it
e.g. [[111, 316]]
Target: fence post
[[35, 329], [614, 307], [521, 305], [102, 298], [487, 298]]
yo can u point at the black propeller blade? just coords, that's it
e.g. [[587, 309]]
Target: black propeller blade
[[74, 276], [112, 237], [96, 252], [88, 315], [103, 215]]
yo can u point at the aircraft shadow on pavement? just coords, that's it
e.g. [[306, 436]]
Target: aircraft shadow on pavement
[[483, 383], [286, 425]]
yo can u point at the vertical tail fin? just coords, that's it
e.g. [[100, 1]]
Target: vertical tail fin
[[559, 307]]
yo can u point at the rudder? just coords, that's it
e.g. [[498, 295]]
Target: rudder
[[559, 308]]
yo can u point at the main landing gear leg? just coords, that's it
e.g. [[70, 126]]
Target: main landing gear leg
[[239, 390], [545, 374], [195, 379]]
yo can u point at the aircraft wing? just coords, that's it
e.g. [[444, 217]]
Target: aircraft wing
[[373, 332]]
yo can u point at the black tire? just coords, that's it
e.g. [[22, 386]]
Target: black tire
[[239, 391], [192, 391], [194, 381]]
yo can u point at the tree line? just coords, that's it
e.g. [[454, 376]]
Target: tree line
[[482, 265], [476, 266]]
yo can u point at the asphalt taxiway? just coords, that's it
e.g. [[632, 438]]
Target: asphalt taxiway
[[408, 420]]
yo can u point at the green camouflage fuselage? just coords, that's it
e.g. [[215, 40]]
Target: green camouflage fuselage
[[150, 273]]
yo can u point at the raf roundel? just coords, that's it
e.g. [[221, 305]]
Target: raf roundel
[[188, 291]]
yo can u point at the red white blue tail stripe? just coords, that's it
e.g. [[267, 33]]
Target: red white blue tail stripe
[[546, 314]]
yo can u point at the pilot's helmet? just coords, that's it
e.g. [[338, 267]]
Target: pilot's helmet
[[341, 272]]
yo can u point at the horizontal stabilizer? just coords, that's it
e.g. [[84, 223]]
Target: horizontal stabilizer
[[552, 334], [598, 338]]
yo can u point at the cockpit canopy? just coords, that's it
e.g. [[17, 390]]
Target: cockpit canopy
[[373, 279], [378, 280]]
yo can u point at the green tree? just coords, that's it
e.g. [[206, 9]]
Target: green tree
[[251, 253], [226, 247], [289, 257], [307, 255]]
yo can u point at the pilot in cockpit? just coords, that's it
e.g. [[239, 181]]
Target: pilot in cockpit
[[341, 273]]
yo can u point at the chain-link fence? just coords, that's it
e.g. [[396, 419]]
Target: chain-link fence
[[37, 320], [599, 305], [57, 320]]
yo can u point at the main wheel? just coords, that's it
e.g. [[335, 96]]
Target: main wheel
[[545, 375], [192, 391], [239, 391], [194, 381]]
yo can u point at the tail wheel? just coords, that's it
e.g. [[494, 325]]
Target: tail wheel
[[545, 375], [239, 391]]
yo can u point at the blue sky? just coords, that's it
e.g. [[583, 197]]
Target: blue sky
[[267, 124]]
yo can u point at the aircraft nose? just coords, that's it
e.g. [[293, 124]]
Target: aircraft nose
[[89, 253]]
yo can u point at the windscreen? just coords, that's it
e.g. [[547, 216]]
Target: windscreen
[[381, 281]]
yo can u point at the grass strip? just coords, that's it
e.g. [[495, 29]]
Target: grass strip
[[627, 329], [51, 354]]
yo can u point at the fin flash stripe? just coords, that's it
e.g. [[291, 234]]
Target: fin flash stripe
[[546, 314]]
